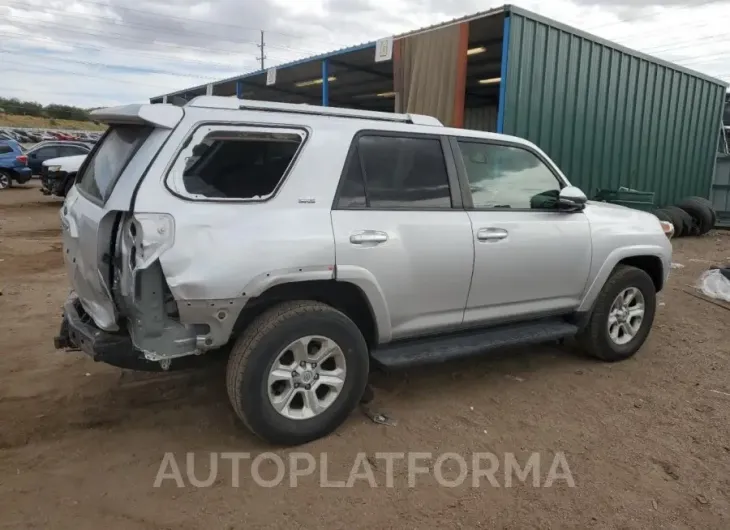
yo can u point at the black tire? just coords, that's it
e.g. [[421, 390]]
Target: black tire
[[595, 338], [683, 223], [702, 200], [6, 180], [258, 347], [701, 212], [664, 215], [708, 203]]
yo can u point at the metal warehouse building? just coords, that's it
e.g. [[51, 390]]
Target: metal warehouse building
[[608, 115]]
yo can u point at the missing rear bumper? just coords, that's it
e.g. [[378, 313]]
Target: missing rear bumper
[[78, 332]]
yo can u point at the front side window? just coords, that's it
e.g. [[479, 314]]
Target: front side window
[[510, 177], [238, 164], [397, 172]]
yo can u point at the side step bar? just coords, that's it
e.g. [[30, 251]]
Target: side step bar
[[467, 344]]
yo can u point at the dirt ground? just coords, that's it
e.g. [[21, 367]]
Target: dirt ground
[[647, 440]]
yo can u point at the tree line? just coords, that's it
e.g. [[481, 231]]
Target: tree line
[[53, 111]]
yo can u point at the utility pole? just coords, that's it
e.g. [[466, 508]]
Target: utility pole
[[261, 46]]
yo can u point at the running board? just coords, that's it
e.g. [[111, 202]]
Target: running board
[[440, 349]]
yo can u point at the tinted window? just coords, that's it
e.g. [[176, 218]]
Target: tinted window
[[5, 149], [352, 192], [108, 161], [47, 152], [239, 165], [508, 177], [72, 150], [401, 172]]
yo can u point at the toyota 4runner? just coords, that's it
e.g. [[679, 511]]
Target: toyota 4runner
[[312, 243]]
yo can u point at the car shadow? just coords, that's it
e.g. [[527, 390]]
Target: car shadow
[[197, 399]]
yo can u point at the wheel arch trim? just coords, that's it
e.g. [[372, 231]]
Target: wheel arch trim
[[613, 259]]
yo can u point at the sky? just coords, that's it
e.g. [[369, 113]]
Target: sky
[[93, 53]]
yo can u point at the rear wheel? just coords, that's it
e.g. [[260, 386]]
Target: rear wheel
[[5, 180], [622, 316], [297, 372]]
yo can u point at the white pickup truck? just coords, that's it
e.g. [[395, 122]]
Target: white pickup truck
[[59, 174]]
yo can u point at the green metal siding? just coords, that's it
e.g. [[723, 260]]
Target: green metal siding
[[608, 116]]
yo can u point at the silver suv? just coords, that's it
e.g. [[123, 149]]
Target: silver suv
[[310, 244]]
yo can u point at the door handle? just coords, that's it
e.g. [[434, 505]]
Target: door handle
[[368, 236], [491, 234]]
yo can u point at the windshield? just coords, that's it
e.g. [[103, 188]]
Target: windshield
[[108, 161]]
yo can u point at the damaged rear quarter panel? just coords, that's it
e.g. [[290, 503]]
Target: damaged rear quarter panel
[[238, 250], [224, 253]]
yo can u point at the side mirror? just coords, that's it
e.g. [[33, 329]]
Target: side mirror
[[572, 199]]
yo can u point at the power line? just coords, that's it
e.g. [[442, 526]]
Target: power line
[[157, 30], [36, 90], [237, 27], [121, 51], [641, 17], [141, 70], [80, 74], [148, 28]]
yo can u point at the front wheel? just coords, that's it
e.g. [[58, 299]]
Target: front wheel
[[622, 316], [297, 372]]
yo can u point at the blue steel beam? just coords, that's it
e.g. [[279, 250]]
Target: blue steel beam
[[503, 75], [325, 83]]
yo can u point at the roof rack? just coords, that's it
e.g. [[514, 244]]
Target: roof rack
[[222, 102]]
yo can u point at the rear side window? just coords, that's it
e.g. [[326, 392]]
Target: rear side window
[[239, 164], [109, 160], [396, 173], [352, 191], [47, 152], [72, 150], [5, 149]]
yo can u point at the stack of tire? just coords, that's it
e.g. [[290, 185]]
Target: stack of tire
[[693, 216]]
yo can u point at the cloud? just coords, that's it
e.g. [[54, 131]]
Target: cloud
[[104, 52]]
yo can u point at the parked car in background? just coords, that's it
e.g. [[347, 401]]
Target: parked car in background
[[43, 151], [59, 174], [13, 164]]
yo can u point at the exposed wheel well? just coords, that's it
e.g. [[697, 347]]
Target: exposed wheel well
[[651, 265], [343, 296]]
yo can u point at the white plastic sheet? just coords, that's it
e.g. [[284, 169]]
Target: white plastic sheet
[[713, 284]]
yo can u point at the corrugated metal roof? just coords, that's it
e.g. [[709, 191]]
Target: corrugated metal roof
[[318, 57], [481, 14], [342, 51]]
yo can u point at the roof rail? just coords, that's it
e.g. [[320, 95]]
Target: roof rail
[[222, 102]]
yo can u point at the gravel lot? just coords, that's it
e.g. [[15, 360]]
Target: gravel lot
[[647, 440]]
